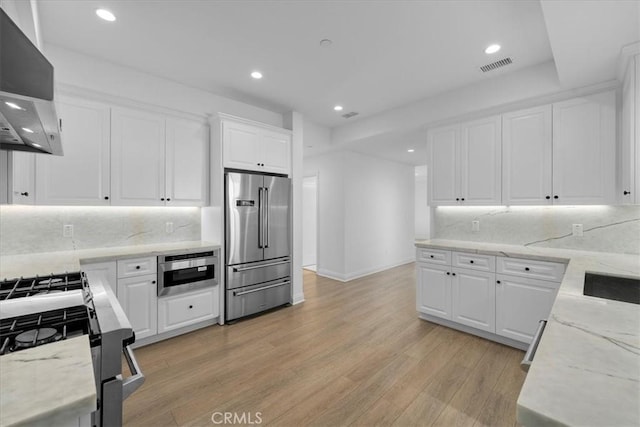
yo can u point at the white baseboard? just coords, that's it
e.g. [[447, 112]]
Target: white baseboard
[[362, 273], [298, 298]]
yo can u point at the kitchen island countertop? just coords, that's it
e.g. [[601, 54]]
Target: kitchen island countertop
[[60, 386], [586, 370]]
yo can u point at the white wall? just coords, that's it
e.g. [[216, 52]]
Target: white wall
[[309, 220], [365, 213], [75, 70], [422, 211]]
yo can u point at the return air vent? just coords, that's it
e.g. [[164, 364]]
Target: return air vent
[[349, 115], [497, 64]]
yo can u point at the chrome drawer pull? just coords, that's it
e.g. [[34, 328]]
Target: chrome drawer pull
[[253, 267], [237, 294]]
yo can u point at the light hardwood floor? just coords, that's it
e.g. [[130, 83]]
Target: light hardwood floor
[[352, 354]]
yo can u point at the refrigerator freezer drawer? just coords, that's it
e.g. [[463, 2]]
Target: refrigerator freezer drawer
[[241, 275], [255, 299]]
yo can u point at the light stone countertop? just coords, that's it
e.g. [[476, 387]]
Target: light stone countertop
[[54, 384], [44, 263], [61, 386], [586, 370]]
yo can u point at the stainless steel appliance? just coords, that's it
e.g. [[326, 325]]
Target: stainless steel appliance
[[28, 119], [257, 242], [100, 317], [187, 270]]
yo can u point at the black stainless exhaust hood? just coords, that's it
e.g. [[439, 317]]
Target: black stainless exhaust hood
[[28, 120]]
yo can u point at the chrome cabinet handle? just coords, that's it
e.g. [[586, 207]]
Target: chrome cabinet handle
[[253, 267], [531, 351], [134, 382], [266, 217], [237, 294], [260, 218]]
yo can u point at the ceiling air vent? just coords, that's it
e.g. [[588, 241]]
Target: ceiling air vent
[[497, 64], [349, 115]]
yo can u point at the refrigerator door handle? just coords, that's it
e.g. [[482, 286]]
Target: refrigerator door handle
[[266, 217], [260, 224]]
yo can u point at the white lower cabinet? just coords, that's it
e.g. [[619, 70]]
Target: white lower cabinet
[[473, 298], [182, 310], [520, 304], [434, 290], [138, 298]]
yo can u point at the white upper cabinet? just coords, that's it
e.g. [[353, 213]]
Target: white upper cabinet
[[138, 158], [23, 178], [256, 148], [526, 157], [464, 163], [480, 162], [444, 184], [584, 132], [187, 154], [630, 135], [81, 175]]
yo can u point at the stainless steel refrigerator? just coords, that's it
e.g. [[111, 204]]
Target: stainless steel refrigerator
[[258, 243]]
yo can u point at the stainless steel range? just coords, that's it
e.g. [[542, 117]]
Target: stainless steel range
[[40, 310]]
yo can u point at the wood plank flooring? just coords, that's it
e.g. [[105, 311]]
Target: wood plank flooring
[[353, 354]]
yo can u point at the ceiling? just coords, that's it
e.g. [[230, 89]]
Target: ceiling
[[384, 53]]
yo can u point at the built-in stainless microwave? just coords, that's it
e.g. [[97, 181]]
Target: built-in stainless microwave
[[187, 271]]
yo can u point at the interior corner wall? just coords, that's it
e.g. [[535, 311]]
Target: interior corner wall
[[379, 214], [331, 212]]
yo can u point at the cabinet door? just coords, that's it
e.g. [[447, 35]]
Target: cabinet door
[[627, 158], [106, 270], [187, 163], [434, 290], [473, 299], [23, 174], [138, 297], [526, 157], [186, 309], [137, 155], [520, 304], [81, 176], [480, 162], [444, 182], [275, 152], [241, 146], [584, 150]]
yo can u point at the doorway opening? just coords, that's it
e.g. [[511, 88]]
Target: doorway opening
[[310, 222]]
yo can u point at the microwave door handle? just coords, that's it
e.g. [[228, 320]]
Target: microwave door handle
[[134, 382], [260, 225], [266, 217]]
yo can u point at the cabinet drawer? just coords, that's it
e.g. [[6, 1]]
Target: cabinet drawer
[[137, 266], [544, 270], [185, 309], [434, 256], [474, 261]]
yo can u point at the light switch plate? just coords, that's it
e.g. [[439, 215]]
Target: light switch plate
[[67, 230], [168, 227], [475, 225], [576, 230]]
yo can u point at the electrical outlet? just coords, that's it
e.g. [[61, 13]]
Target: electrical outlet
[[67, 230], [475, 225], [576, 230], [168, 227]]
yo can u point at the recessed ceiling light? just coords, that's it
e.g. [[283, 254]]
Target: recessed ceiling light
[[14, 106], [37, 145], [338, 108], [106, 15], [256, 75], [410, 150], [27, 130], [492, 49]]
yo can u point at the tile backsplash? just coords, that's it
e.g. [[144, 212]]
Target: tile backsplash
[[606, 228], [31, 229]]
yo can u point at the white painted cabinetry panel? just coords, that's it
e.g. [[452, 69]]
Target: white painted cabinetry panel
[[137, 266], [584, 141], [526, 157], [434, 290], [138, 158], [107, 270], [241, 145], [629, 157], [187, 154], [138, 297], [185, 309], [275, 152], [520, 304], [543, 270], [444, 182], [82, 175], [23, 173], [434, 256], [474, 261], [474, 298]]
